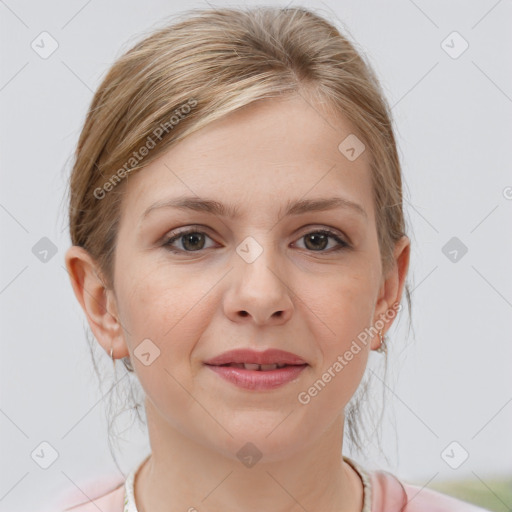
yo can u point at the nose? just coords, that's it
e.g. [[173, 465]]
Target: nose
[[258, 291]]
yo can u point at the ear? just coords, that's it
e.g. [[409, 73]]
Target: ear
[[392, 286], [97, 301]]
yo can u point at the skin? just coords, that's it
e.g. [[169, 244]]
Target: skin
[[199, 304]]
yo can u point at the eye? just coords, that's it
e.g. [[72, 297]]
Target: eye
[[318, 240], [193, 240]]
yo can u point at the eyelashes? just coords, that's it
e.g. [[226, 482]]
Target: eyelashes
[[193, 236]]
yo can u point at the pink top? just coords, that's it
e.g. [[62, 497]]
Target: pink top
[[383, 492]]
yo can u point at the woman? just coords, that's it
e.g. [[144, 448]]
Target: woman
[[239, 242]]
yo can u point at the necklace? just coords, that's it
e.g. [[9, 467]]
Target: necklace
[[129, 495]]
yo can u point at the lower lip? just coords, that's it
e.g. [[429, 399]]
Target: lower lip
[[258, 379]]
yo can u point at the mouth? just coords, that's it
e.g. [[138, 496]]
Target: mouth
[[258, 371], [257, 367]]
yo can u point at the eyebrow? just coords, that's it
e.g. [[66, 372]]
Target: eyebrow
[[213, 207]]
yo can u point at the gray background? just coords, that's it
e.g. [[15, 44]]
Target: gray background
[[454, 127]]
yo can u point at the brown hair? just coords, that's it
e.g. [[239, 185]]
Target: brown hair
[[201, 68]]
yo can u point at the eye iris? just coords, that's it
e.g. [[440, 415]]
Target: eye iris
[[316, 237], [192, 237]]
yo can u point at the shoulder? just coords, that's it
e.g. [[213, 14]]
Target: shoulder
[[390, 494], [106, 495]]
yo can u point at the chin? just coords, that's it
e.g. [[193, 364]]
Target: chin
[[263, 443]]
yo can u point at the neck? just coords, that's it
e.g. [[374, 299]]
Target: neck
[[183, 474]]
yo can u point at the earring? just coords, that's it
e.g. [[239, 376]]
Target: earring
[[383, 347], [112, 357]]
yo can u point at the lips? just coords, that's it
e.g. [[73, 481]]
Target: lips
[[270, 359], [258, 371]]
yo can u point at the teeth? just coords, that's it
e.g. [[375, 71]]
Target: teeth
[[257, 367], [262, 367], [252, 366]]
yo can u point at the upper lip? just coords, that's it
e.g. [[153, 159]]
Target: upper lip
[[269, 356]]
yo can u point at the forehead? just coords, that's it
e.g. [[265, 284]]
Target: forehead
[[259, 158]]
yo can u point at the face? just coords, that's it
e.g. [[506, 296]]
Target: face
[[260, 279]]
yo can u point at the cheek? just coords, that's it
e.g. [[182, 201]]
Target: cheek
[[344, 354], [161, 329], [171, 310], [157, 301], [342, 315], [342, 307]]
